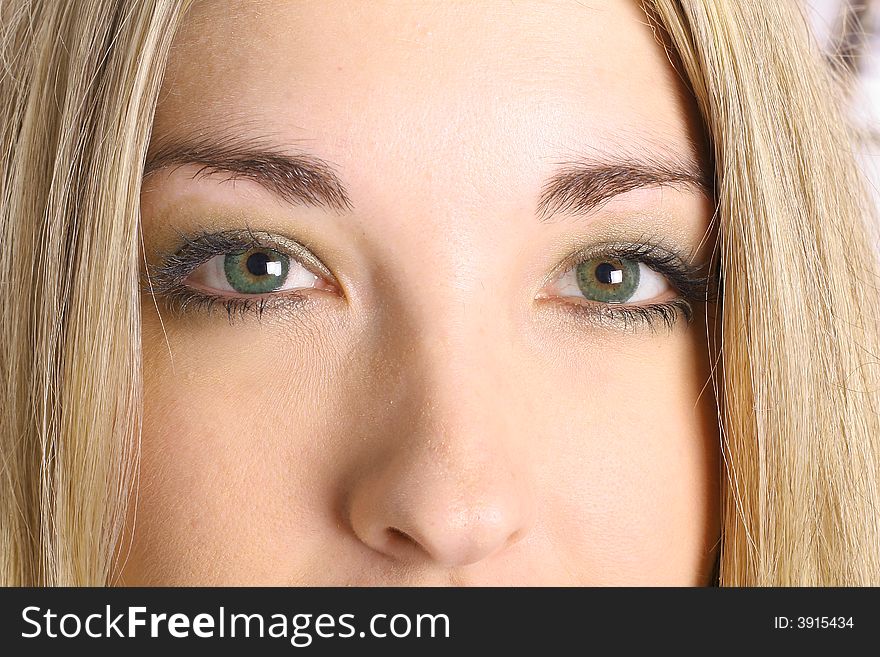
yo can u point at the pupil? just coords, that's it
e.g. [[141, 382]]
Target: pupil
[[257, 264], [605, 273]]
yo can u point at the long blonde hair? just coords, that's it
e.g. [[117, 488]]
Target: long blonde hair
[[797, 344], [799, 380], [79, 85]]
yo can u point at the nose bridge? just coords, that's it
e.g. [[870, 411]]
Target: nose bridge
[[442, 316], [451, 485], [456, 410], [457, 357], [454, 289]]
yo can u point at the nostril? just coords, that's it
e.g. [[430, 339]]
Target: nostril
[[405, 546], [394, 532], [404, 515], [400, 539]]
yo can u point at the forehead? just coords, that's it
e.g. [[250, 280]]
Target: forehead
[[462, 81]]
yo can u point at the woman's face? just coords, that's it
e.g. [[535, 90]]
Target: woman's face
[[421, 277]]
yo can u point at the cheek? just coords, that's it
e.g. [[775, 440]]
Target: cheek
[[636, 468], [233, 453], [252, 435]]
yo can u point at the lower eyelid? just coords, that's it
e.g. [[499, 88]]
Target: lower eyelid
[[184, 300], [625, 317]]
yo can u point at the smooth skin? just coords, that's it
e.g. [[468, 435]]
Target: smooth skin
[[435, 415]]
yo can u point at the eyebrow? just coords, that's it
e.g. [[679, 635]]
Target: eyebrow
[[298, 178], [576, 187], [580, 186]]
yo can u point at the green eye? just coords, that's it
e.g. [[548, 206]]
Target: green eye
[[608, 280], [256, 271]]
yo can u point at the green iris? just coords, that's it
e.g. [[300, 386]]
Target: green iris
[[256, 271], [609, 280]]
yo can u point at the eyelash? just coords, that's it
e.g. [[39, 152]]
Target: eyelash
[[692, 282], [166, 279]]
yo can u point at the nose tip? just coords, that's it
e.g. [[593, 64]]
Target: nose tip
[[448, 544], [444, 477], [426, 523]]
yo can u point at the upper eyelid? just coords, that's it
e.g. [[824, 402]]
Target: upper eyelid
[[198, 249], [178, 264], [651, 250]]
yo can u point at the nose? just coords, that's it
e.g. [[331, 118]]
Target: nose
[[446, 479], [420, 510]]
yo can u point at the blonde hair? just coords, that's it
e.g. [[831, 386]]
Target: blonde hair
[[799, 333], [796, 347], [79, 85]]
